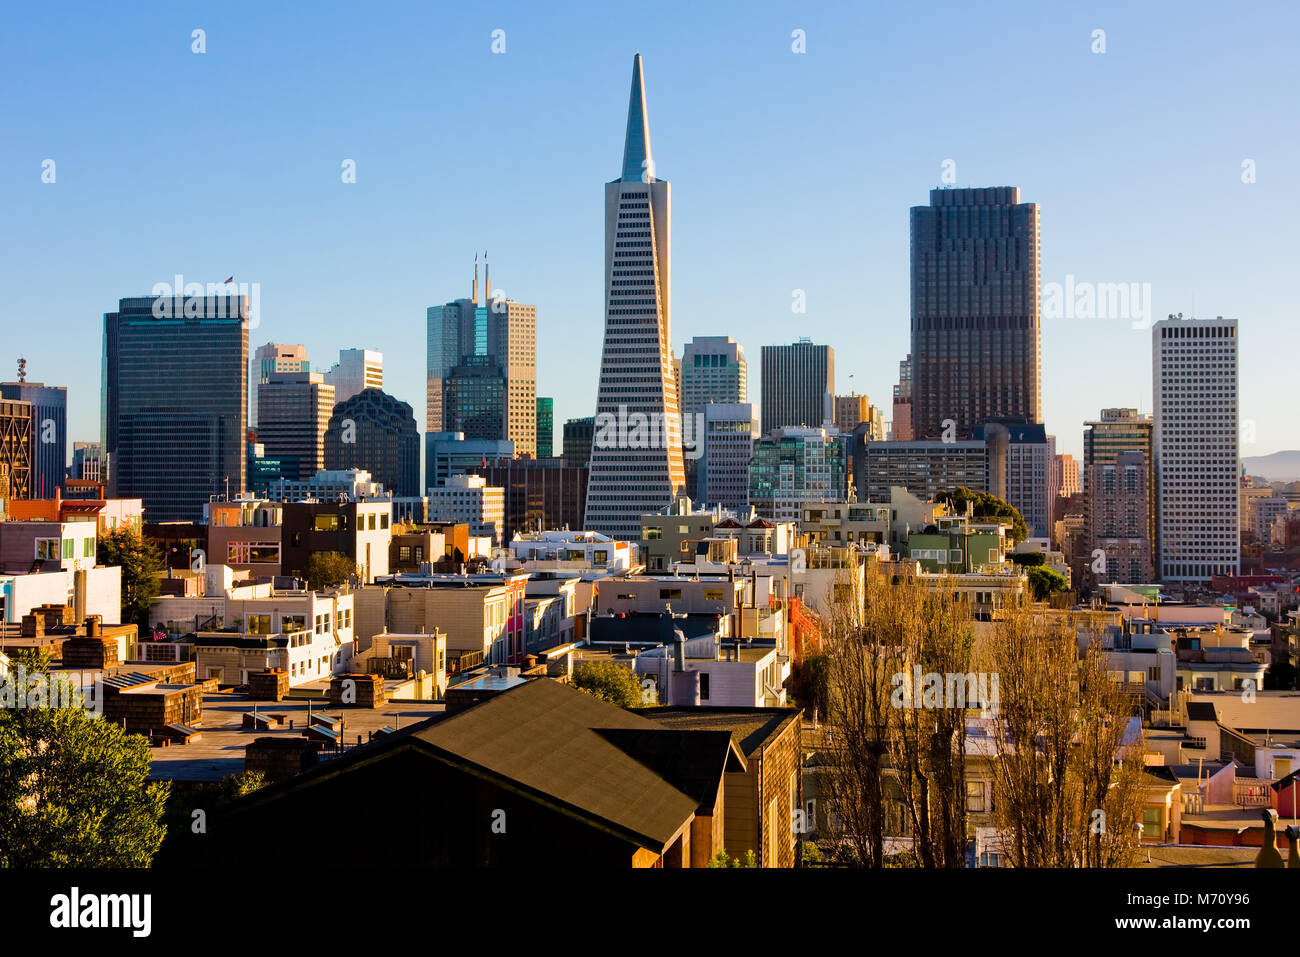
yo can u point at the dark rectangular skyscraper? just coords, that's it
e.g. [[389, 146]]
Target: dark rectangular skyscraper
[[798, 386], [975, 311], [175, 401]]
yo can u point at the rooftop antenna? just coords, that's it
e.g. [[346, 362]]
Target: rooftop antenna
[[22, 370]]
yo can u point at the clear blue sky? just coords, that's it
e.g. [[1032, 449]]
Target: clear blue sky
[[788, 171]]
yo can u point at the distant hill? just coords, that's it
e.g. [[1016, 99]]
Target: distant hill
[[1278, 467]]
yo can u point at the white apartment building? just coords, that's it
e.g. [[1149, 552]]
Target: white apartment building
[[1194, 380], [469, 499]]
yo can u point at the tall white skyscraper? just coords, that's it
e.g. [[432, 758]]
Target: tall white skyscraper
[[1195, 439], [636, 454], [356, 369]]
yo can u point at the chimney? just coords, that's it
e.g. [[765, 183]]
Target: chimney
[[79, 594], [679, 653], [92, 626]]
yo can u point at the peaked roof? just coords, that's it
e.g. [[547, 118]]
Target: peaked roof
[[627, 775], [636, 145]]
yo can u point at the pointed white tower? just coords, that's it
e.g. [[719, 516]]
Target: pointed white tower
[[636, 453]]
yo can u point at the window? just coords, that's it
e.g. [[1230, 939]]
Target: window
[[383, 521], [87, 548], [653, 534], [373, 519], [69, 546], [670, 594], [704, 686], [1151, 823], [47, 549], [326, 523], [974, 796], [259, 624]]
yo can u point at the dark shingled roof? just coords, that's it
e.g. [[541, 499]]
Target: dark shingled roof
[[752, 728], [607, 765]]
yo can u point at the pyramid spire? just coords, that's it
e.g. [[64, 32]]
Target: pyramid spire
[[636, 147]]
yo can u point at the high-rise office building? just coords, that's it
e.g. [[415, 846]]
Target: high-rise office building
[[49, 433], [850, 410], [636, 468], [713, 369], [175, 401], [295, 410], [1118, 506], [545, 427], [729, 433], [578, 436], [794, 466], [16, 448], [357, 369], [975, 311], [900, 429], [474, 398], [87, 462], [497, 338], [376, 432], [798, 386], [540, 494], [1194, 379], [269, 358], [923, 467], [1115, 431]]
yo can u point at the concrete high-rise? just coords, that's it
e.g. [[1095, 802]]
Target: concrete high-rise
[[636, 455], [723, 475], [850, 410], [49, 433], [976, 314], [175, 401], [713, 370], [798, 386], [294, 411], [1117, 431], [1194, 380], [269, 358], [357, 369]]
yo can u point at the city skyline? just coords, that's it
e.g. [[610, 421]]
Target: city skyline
[[1108, 217]]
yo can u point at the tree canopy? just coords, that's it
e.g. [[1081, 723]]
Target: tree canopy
[[329, 569], [987, 507], [141, 564], [74, 789], [1043, 581], [612, 683]]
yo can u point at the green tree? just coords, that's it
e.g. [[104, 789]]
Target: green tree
[[985, 507], [142, 566], [329, 569], [1028, 559], [74, 790], [612, 683], [1043, 582]]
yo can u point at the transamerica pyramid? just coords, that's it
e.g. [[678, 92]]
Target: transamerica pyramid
[[636, 453]]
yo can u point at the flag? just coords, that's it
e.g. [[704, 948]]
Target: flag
[[230, 280], [485, 461]]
